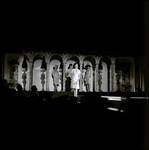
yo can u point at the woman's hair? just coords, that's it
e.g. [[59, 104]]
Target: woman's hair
[[69, 66]]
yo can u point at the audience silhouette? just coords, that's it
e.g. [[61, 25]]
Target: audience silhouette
[[33, 120], [20, 96], [34, 96], [4, 87]]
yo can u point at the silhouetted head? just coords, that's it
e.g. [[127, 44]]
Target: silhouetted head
[[19, 87], [34, 88], [4, 84]]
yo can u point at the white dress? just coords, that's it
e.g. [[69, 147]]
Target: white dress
[[75, 78]]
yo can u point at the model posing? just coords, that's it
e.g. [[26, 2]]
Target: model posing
[[75, 77], [68, 78], [87, 78], [55, 76]]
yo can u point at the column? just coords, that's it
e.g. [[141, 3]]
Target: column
[[96, 78], [47, 77], [13, 65], [112, 74], [94, 84], [63, 77], [24, 77], [99, 80], [118, 80], [30, 75], [108, 77], [42, 78], [80, 77]]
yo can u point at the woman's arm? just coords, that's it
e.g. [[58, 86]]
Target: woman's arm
[[71, 74]]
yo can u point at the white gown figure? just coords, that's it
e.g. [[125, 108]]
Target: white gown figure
[[75, 76]]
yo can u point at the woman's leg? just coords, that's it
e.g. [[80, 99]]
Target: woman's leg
[[55, 88], [76, 90], [87, 87], [69, 84]]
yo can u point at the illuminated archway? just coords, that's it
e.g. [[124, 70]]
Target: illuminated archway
[[37, 61], [56, 60], [106, 62], [89, 60]]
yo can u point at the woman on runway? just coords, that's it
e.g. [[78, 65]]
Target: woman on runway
[[75, 79]]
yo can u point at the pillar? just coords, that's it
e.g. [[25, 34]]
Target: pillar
[[47, 77], [81, 77], [118, 80], [13, 76], [30, 75], [112, 74], [43, 78], [108, 77], [63, 77], [99, 80], [24, 77], [96, 78]]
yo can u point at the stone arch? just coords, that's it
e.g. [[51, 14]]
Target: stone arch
[[38, 56], [36, 61], [90, 58], [73, 55], [74, 58], [104, 56], [106, 61], [56, 56], [55, 59]]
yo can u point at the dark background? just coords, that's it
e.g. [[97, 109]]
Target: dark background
[[99, 27]]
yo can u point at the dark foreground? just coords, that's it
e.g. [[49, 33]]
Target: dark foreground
[[66, 123]]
